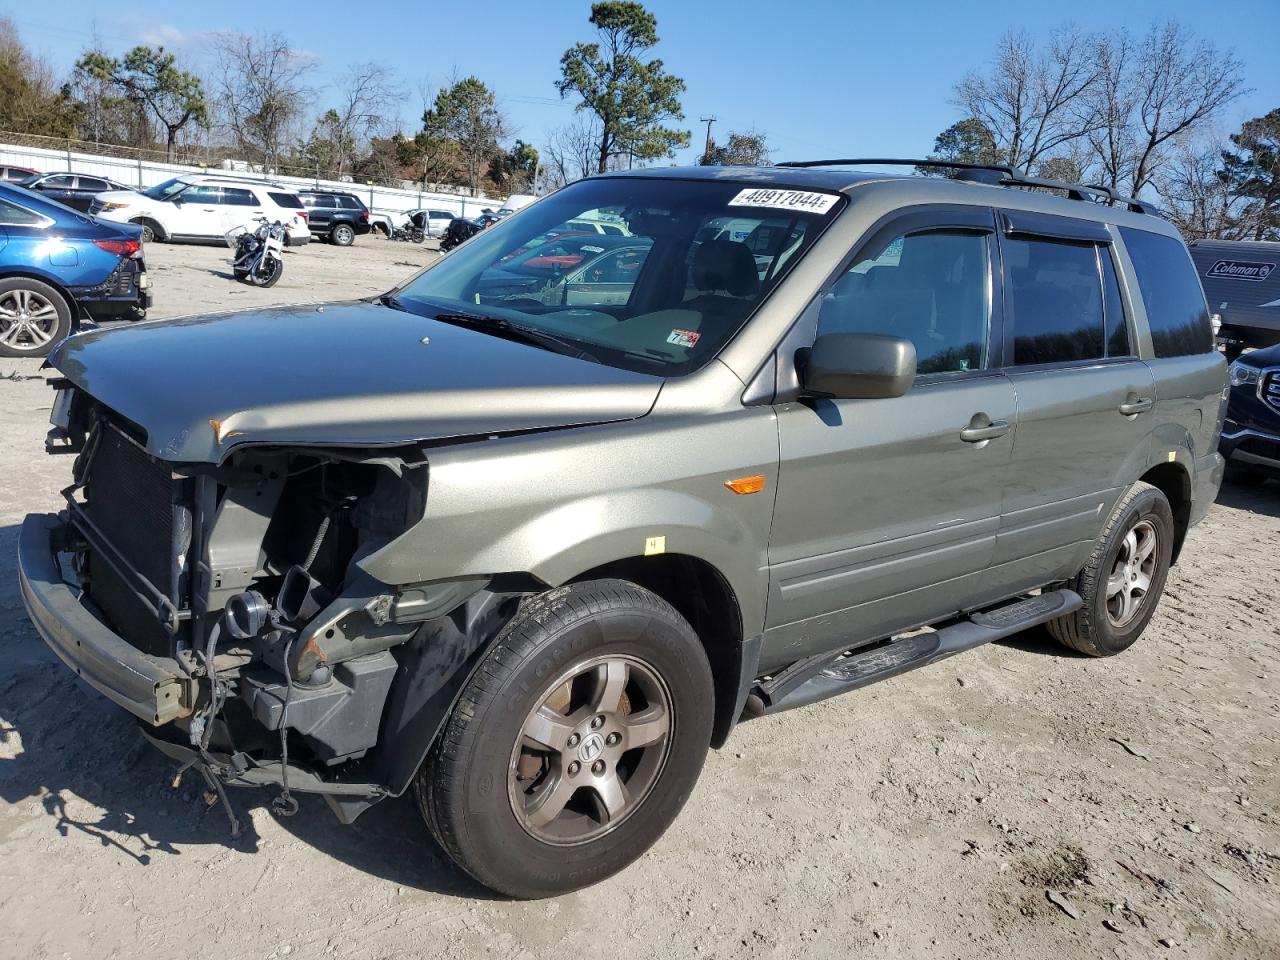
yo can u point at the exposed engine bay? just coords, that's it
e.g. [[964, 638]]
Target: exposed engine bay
[[245, 575]]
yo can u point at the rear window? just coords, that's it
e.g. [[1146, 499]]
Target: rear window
[[285, 200], [1176, 309]]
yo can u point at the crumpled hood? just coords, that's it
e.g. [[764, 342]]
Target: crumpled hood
[[349, 374]]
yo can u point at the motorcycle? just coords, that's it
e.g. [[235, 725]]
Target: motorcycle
[[259, 251]]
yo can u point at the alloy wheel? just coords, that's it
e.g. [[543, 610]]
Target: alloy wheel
[[1132, 573], [591, 750], [28, 321]]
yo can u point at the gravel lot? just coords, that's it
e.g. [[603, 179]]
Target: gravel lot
[[931, 815]]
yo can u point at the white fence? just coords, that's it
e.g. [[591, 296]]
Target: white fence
[[147, 173]]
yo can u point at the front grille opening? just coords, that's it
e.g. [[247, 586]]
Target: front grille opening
[[143, 510]]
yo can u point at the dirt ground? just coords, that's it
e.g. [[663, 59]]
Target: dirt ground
[[932, 815]]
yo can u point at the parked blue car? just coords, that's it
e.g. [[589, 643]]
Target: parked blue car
[[59, 267]]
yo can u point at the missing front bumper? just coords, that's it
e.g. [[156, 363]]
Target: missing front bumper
[[154, 689]]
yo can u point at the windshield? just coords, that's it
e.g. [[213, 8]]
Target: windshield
[[166, 190], [683, 266]]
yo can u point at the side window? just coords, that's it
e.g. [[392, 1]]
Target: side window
[[202, 193], [288, 200], [239, 197], [1171, 291], [12, 215], [1118, 344], [93, 183], [618, 267], [929, 288], [1053, 297], [63, 182]]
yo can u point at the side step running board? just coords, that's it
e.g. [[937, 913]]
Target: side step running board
[[827, 675]]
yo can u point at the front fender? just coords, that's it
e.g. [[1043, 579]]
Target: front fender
[[560, 503]]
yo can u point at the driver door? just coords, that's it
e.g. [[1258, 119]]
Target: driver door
[[887, 509]]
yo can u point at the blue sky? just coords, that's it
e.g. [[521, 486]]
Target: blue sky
[[820, 77]]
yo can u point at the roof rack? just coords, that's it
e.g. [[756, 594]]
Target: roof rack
[[1000, 174], [240, 178]]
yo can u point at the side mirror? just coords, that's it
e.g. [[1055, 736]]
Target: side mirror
[[859, 366]]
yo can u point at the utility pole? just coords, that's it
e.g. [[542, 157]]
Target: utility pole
[[706, 150]]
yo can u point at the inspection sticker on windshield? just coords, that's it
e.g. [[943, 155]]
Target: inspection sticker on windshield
[[683, 338], [804, 200]]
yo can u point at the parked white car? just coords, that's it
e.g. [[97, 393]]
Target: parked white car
[[203, 208], [436, 220]]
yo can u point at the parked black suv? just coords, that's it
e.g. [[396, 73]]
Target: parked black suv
[[336, 217], [1251, 433]]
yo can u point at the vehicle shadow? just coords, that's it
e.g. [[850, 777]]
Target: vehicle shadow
[[1262, 498], [1038, 640], [66, 751]]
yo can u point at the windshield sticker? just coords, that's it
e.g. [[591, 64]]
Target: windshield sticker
[[683, 338], [1240, 270], [803, 200]]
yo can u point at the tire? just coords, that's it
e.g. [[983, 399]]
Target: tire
[[150, 232], [343, 235], [1102, 627], [1243, 476], [33, 317], [484, 783], [275, 269]]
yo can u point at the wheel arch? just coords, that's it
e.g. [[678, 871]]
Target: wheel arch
[[157, 227], [1173, 480], [701, 594]]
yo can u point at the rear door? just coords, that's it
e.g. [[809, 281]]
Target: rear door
[[1084, 397], [319, 212], [887, 510], [86, 189], [61, 187]]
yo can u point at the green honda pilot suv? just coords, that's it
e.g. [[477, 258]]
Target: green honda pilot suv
[[532, 531]]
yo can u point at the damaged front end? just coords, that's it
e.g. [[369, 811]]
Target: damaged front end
[[224, 605]]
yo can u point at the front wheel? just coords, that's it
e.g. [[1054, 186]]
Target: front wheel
[[267, 272], [574, 745], [1124, 578]]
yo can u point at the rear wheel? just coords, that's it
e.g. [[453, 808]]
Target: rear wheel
[[575, 744], [1124, 578], [343, 235], [33, 317]]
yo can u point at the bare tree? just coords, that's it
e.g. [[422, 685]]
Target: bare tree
[[1181, 82], [570, 153], [261, 92], [1034, 100], [1200, 200], [1112, 102], [364, 102]]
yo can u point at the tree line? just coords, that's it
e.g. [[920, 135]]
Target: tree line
[[1139, 114]]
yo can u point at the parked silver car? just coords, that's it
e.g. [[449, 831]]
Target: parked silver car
[[532, 548]]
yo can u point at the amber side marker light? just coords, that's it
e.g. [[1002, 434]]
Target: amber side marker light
[[746, 484]]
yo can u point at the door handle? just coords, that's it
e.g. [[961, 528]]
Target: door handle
[[978, 432], [1131, 408]]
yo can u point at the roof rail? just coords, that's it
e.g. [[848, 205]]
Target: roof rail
[[999, 174]]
